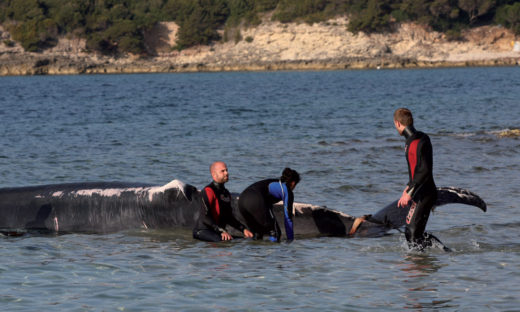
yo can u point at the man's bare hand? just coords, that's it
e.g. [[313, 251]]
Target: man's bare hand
[[404, 200], [225, 236], [247, 233]]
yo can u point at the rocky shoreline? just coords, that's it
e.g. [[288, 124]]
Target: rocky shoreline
[[43, 65], [273, 46]]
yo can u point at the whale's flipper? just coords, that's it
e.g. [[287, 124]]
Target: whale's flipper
[[394, 217]]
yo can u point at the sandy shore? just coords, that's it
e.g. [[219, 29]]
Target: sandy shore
[[276, 46]]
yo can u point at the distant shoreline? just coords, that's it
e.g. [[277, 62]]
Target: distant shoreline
[[44, 65], [273, 46]]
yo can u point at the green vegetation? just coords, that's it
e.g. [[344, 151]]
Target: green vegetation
[[509, 16], [117, 26]]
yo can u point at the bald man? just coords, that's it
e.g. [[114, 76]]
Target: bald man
[[215, 210]]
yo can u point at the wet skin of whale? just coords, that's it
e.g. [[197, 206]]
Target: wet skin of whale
[[105, 207]]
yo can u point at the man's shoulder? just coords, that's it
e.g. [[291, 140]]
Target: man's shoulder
[[216, 189], [208, 190], [424, 141], [261, 183], [425, 136], [420, 138], [421, 135], [211, 189]]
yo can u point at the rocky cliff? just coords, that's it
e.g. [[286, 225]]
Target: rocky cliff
[[276, 46]]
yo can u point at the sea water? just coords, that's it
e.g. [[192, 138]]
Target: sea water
[[335, 128]]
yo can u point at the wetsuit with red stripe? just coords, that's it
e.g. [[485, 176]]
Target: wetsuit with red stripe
[[421, 186], [215, 214]]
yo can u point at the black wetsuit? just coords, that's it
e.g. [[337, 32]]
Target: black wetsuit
[[421, 186], [256, 206], [215, 214]]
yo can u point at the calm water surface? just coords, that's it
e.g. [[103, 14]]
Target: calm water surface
[[335, 128]]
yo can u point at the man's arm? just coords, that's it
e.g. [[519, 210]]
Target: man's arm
[[288, 214], [280, 191], [239, 226]]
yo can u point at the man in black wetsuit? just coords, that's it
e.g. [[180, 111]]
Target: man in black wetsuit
[[215, 210], [256, 205], [420, 192]]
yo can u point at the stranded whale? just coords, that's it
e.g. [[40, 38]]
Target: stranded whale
[[105, 207]]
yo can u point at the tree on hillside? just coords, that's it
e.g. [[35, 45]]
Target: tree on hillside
[[375, 17], [444, 17], [476, 8], [238, 9], [265, 5], [200, 24], [306, 10], [509, 16], [30, 25], [415, 9]]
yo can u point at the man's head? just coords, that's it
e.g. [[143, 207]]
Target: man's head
[[402, 119], [219, 172], [290, 177]]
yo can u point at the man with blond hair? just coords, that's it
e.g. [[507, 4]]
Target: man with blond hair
[[215, 210], [420, 193]]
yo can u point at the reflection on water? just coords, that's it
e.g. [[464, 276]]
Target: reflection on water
[[418, 276], [419, 265]]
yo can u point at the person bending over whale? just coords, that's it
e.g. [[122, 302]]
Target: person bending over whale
[[215, 209], [420, 192], [256, 205]]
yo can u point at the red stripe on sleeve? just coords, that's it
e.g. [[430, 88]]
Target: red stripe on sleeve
[[213, 203], [412, 156]]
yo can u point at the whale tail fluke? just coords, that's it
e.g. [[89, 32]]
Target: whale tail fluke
[[455, 195], [394, 217]]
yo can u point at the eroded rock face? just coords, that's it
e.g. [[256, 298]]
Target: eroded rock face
[[274, 46]]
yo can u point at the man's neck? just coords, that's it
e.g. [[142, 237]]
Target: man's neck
[[218, 185], [409, 131]]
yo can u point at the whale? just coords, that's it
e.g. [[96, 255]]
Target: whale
[[108, 207]]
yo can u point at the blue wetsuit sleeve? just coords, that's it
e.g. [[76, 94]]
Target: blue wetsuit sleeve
[[280, 191], [288, 209]]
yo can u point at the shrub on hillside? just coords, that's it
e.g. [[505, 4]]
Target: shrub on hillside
[[509, 16], [375, 17]]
